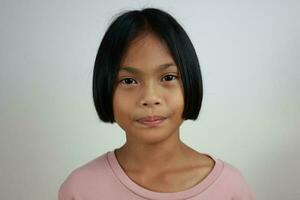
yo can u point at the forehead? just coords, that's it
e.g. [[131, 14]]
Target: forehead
[[147, 50]]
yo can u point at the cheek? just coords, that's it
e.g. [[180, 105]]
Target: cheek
[[178, 102], [175, 101], [123, 107], [121, 103]]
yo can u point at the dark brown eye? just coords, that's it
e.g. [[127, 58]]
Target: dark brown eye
[[127, 81], [169, 77]]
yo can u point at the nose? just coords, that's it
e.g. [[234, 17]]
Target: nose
[[150, 97]]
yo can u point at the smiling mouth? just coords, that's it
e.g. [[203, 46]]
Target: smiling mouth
[[151, 123]]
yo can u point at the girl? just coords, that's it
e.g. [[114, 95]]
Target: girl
[[147, 79]]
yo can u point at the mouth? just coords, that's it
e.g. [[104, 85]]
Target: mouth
[[151, 121]]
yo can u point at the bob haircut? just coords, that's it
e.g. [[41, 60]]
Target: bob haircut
[[126, 27]]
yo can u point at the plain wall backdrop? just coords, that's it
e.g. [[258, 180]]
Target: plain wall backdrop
[[249, 57]]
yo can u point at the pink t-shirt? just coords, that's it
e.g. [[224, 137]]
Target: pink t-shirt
[[104, 178]]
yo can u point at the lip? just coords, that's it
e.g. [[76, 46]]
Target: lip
[[151, 120]]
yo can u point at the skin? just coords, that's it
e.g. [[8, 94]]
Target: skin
[[154, 157]]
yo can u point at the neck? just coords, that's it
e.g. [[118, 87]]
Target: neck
[[152, 158]]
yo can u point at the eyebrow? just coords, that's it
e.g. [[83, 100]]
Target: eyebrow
[[136, 71]]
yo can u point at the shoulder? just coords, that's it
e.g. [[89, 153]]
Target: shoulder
[[84, 178], [236, 182], [92, 169], [232, 171]]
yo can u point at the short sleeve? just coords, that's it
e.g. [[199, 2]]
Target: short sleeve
[[64, 193], [246, 192], [67, 191]]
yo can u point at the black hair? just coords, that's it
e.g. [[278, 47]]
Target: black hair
[[126, 27]]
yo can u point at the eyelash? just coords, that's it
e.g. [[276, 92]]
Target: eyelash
[[163, 77]]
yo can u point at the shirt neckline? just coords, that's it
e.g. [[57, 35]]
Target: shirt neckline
[[148, 194]]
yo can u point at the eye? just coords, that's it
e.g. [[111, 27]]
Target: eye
[[127, 81], [170, 77]]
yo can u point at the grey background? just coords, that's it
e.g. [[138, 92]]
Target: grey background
[[249, 56]]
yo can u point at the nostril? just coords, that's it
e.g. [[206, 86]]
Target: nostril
[[150, 103]]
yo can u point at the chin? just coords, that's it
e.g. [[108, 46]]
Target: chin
[[153, 136]]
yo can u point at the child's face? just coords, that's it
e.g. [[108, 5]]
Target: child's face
[[152, 91]]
